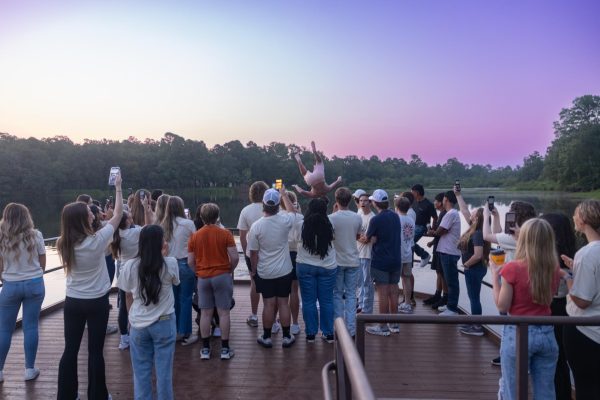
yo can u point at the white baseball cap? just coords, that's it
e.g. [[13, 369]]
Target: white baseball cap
[[271, 197], [379, 196], [358, 193]]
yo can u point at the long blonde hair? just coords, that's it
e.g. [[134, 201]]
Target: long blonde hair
[[74, 228], [174, 210], [137, 208], [16, 227], [537, 248], [161, 208]]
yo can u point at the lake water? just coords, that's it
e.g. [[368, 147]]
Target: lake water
[[46, 214]]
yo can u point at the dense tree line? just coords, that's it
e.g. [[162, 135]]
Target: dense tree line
[[54, 164]]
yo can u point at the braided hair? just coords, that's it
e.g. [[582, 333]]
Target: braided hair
[[317, 231]]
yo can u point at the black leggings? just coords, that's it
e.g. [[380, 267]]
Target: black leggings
[[78, 312], [583, 355], [123, 314]]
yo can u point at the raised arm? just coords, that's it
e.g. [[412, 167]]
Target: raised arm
[[462, 205], [116, 218], [488, 235]]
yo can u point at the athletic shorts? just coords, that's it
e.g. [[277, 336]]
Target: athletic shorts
[[407, 269], [276, 287], [385, 277], [216, 291], [293, 255]]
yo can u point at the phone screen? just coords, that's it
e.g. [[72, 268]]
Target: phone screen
[[490, 202], [510, 221], [114, 171]]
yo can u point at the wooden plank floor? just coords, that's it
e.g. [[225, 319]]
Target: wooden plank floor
[[423, 361]]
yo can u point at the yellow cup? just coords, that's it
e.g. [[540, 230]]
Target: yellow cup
[[498, 256]]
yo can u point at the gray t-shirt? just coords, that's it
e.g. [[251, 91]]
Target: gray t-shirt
[[25, 265], [448, 243], [347, 225]]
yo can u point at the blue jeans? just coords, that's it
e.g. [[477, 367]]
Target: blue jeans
[[31, 294], [183, 297], [543, 354], [449, 263], [473, 278], [153, 346], [344, 296], [420, 230], [366, 293], [316, 283]]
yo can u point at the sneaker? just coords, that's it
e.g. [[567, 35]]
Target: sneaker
[[288, 341], [413, 302], [264, 342], [496, 361], [441, 302], [227, 353], [217, 332], [110, 329], [472, 330], [394, 328], [295, 329], [276, 327], [405, 308], [448, 313], [189, 340], [310, 338], [205, 353], [124, 342], [31, 374], [424, 261], [442, 308], [430, 300], [328, 338], [378, 330], [252, 321]]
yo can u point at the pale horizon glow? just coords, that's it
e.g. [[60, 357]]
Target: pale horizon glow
[[479, 81]]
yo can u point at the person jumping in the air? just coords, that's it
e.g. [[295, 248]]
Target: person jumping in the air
[[315, 178]]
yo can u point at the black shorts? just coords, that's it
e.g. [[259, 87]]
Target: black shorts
[[276, 287], [436, 264], [293, 255]]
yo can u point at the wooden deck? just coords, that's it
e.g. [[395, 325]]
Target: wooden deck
[[423, 361]]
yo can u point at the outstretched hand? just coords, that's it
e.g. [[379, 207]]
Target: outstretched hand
[[567, 260]]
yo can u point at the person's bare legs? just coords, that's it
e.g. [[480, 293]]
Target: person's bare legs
[[333, 184], [318, 158], [412, 286], [383, 293], [407, 288], [206, 317], [283, 306], [224, 323], [268, 314], [305, 193], [294, 302], [301, 166], [254, 297]]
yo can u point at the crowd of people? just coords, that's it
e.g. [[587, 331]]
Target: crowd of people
[[329, 261]]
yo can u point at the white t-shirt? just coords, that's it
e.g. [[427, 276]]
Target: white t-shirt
[[364, 250], [295, 231], [508, 244], [407, 225], [249, 215], [586, 286], [269, 236], [88, 276], [129, 243], [347, 224], [448, 243], [183, 229], [411, 214], [25, 265], [141, 316]]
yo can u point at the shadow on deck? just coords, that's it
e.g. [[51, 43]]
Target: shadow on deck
[[423, 361]]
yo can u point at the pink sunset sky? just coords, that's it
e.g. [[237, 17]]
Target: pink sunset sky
[[481, 81]]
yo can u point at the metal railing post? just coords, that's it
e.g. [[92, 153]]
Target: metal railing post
[[360, 339], [522, 344]]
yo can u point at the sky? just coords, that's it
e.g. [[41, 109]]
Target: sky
[[481, 81]]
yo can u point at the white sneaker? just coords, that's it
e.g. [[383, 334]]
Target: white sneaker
[[442, 308], [378, 330], [124, 342], [189, 340], [295, 329], [405, 308], [448, 313], [110, 329], [288, 341], [227, 353], [394, 328], [31, 374], [424, 261], [252, 321], [205, 353], [276, 327], [217, 332]]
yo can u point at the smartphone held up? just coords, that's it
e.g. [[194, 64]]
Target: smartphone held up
[[112, 177], [510, 223], [490, 202], [457, 185]]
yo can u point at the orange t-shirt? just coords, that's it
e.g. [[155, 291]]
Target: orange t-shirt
[[209, 246]]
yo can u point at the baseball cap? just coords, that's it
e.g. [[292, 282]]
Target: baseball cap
[[358, 193], [271, 197], [379, 195]]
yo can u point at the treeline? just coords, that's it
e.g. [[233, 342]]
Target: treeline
[[51, 165]]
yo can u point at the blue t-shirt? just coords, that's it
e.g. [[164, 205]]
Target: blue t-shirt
[[386, 254]]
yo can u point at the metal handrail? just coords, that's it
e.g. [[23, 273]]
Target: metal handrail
[[350, 371], [522, 334]]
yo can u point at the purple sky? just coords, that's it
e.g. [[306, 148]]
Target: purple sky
[[478, 80]]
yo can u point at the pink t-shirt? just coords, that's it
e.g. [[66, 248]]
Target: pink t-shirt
[[515, 273]]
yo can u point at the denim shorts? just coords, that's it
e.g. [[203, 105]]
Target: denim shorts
[[386, 277]]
